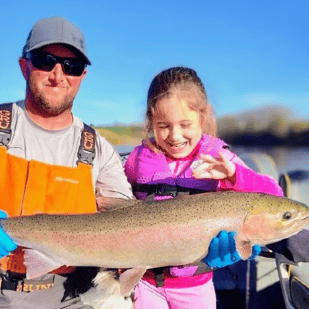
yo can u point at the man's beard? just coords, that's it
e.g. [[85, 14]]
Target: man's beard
[[42, 105]]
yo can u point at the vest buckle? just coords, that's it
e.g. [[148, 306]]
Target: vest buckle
[[164, 189], [5, 136], [85, 156]]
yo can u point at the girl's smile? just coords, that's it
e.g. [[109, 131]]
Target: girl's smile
[[177, 128]]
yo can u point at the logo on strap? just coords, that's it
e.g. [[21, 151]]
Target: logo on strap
[[5, 119], [86, 151], [5, 123], [88, 141]]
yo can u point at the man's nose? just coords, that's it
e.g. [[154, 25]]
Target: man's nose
[[57, 74]]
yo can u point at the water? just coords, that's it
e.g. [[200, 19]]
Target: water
[[124, 148], [286, 158]]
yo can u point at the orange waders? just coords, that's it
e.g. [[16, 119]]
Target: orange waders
[[31, 187]]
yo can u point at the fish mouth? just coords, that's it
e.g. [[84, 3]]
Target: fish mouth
[[304, 221]]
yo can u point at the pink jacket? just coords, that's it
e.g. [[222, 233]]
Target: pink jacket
[[144, 166]]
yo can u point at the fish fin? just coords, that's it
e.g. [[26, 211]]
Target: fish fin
[[243, 247], [129, 279], [38, 263]]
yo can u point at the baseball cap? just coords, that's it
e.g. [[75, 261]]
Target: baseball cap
[[55, 30]]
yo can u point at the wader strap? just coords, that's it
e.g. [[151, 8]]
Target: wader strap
[[159, 276], [164, 189], [203, 268], [86, 151], [5, 123]]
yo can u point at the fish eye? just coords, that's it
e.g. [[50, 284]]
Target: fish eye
[[287, 216]]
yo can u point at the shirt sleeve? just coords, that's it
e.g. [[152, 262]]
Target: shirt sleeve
[[247, 180], [111, 182]]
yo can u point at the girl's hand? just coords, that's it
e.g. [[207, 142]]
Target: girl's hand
[[215, 168]]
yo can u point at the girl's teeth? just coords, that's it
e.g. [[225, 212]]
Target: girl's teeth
[[180, 145]]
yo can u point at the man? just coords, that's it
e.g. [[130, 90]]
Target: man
[[50, 161]]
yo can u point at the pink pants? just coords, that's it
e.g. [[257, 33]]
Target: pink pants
[[150, 297]]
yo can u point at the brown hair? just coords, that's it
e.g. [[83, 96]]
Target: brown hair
[[186, 84]]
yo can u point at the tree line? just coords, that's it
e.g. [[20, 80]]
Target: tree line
[[268, 126]]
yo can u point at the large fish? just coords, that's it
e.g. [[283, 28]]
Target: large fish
[[140, 235]]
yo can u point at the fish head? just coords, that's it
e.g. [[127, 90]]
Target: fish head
[[272, 218]]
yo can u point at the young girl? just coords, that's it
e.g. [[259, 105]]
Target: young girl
[[184, 156]]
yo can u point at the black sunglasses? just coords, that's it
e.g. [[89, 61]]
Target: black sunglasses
[[46, 62]]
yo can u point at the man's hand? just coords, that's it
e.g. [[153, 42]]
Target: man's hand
[[222, 251], [6, 243]]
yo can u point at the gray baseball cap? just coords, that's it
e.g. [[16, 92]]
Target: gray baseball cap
[[55, 30]]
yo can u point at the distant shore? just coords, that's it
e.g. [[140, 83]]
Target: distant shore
[[132, 136], [117, 135], [266, 139]]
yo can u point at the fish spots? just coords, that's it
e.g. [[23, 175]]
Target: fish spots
[[158, 233]]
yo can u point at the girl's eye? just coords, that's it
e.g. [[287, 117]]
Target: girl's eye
[[186, 126]]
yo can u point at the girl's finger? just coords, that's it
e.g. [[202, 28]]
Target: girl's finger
[[222, 157], [208, 158], [206, 168], [202, 167], [202, 175]]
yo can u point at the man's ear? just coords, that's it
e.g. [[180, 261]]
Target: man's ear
[[24, 68], [84, 74]]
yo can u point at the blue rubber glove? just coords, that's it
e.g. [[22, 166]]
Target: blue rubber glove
[[222, 251], [6, 243]]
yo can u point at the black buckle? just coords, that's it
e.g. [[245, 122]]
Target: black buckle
[[8, 283], [164, 189], [5, 136], [85, 156]]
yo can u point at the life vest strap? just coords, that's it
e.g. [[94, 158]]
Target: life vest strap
[[86, 151], [5, 123], [164, 189]]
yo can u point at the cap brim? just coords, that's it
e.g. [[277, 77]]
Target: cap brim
[[88, 62]]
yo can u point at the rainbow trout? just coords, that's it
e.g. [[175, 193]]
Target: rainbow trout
[[140, 235]]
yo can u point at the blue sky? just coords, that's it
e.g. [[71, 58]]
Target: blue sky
[[248, 53]]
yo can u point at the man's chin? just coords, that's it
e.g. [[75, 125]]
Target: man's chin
[[53, 108]]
